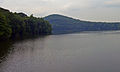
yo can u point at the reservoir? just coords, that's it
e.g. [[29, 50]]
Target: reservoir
[[80, 52]]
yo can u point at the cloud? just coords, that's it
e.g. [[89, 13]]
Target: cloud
[[84, 9], [1, 1], [113, 2]]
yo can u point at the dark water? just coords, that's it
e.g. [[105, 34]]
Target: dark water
[[84, 52]]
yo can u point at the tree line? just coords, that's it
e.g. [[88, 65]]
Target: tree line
[[19, 25]]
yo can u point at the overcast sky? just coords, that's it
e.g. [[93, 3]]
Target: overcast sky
[[91, 10]]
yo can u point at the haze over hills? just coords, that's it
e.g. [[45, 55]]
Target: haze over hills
[[63, 24]]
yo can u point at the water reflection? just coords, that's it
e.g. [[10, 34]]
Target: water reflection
[[23, 52], [5, 49], [10, 46], [65, 53]]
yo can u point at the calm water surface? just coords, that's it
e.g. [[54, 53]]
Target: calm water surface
[[84, 52]]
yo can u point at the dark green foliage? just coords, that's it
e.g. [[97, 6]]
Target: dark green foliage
[[5, 30], [22, 14], [19, 25], [37, 26], [62, 25]]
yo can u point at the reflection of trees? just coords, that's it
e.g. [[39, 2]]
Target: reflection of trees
[[5, 48], [29, 45], [25, 48], [24, 54]]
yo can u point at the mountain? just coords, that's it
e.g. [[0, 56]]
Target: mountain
[[63, 25]]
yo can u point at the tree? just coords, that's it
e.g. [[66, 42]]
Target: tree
[[5, 30], [19, 25]]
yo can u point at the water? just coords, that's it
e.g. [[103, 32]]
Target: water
[[84, 52]]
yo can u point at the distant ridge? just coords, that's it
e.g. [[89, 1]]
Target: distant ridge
[[62, 25]]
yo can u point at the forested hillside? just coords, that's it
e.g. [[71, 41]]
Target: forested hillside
[[19, 25], [63, 24]]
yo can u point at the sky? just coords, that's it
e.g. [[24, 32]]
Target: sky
[[90, 10]]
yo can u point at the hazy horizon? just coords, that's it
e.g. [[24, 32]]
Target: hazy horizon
[[89, 10]]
